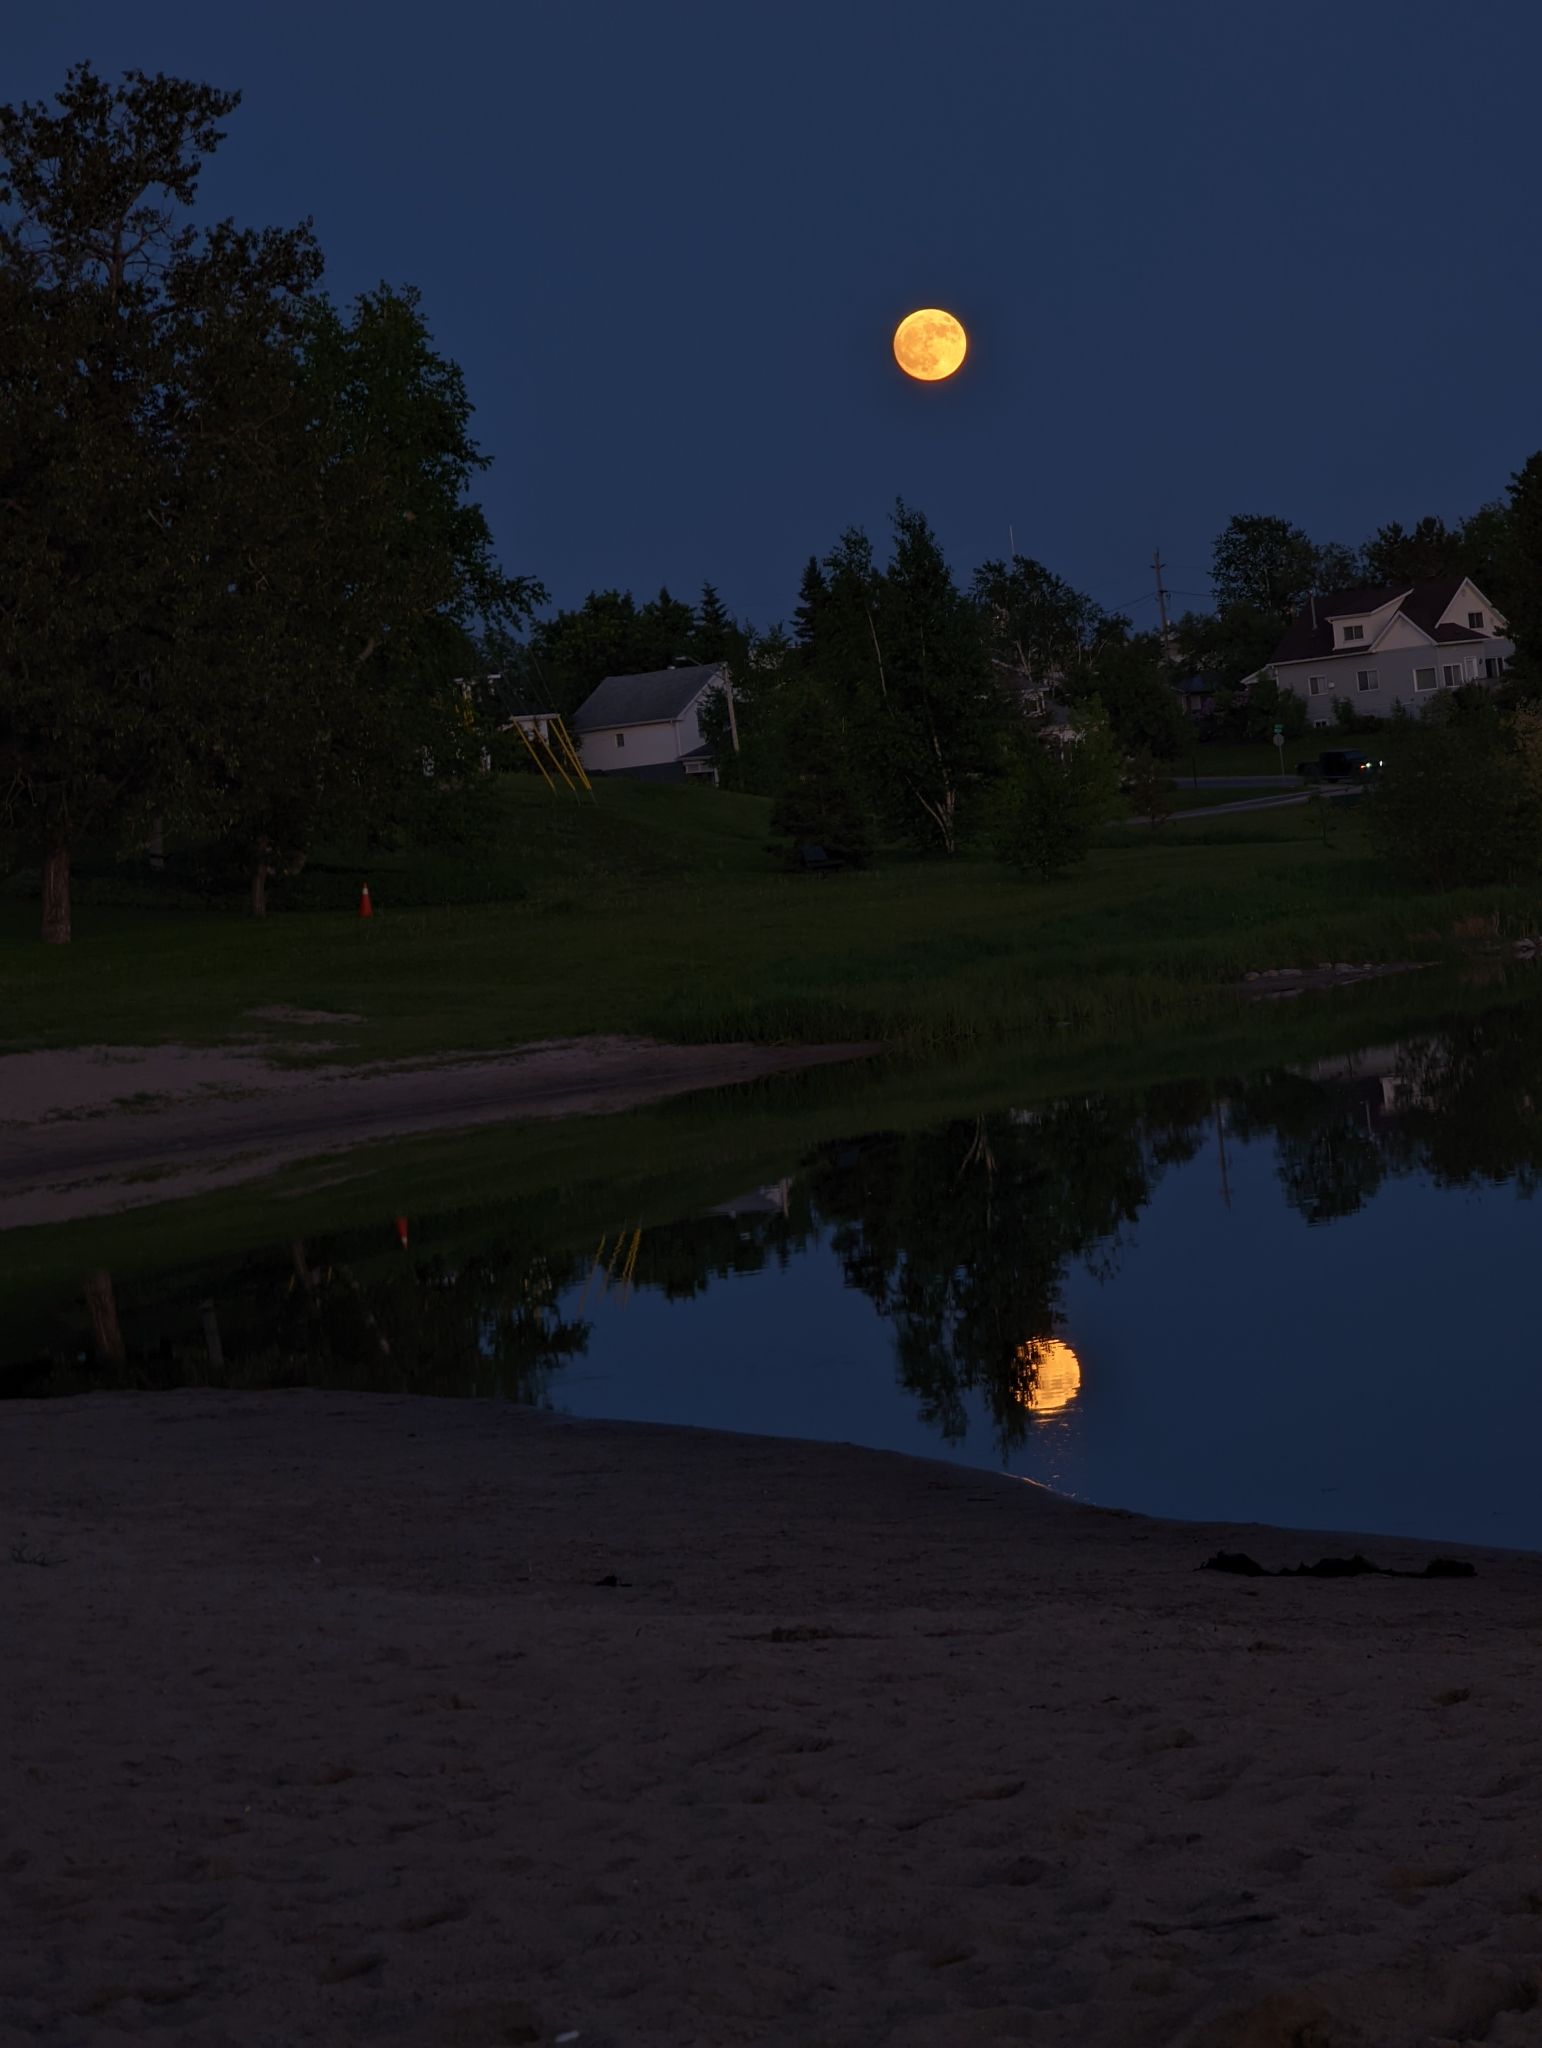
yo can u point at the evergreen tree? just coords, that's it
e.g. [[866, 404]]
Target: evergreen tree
[[716, 637], [812, 592], [609, 634], [669, 626], [821, 799], [938, 721], [1523, 567], [760, 681]]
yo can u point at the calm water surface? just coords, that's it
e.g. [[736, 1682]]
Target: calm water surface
[[1309, 1297]]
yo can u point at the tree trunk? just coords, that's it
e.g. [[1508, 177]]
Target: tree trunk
[[156, 847], [261, 869], [56, 896], [102, 1307], [211, 1333]]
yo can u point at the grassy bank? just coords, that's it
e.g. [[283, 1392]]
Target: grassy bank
[[657, 910], [563, 1185]]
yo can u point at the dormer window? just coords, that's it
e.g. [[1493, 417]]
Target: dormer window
[[1354, 632], [1475, 620]]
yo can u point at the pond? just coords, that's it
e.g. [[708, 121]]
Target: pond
[[1305, 1296]]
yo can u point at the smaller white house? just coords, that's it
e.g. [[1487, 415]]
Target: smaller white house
[[1376, 648], [649, 726]]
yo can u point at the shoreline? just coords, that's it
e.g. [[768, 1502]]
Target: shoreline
[[356, 1717], [99, 1129]]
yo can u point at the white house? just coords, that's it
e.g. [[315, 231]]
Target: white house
[[1377, 648], [648, 726]]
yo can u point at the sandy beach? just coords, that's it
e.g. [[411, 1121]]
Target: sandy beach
[[349, 1719], [88, 1130]]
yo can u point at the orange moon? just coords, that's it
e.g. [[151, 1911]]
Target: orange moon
[[930, 344], [1051, 1375]]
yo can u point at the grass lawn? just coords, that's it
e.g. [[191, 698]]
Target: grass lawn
[[657, 910]]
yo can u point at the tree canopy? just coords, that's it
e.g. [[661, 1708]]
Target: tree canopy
[[239, 560]]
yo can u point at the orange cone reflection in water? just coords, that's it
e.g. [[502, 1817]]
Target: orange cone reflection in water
[[1049, 1375]]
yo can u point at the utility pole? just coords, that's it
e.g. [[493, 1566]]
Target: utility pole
[[1161, 598], [733, 716]]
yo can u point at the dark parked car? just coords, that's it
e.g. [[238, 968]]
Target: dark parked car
[[1339, 764]]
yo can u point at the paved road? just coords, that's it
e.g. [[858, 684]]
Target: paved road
[[1236, 781], [1277, 802]]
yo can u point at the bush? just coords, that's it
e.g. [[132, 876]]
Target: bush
[[1459, 806], [1347, 719], [1050, 806]]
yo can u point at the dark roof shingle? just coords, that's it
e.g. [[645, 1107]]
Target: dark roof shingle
[[654, 698], [1310, 633]]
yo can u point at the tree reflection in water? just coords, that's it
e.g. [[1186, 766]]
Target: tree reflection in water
[[960, 1235]]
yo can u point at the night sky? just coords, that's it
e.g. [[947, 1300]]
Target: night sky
[[1212, 258]]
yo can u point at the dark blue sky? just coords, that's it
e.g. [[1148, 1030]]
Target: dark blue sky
[[1212, 257]]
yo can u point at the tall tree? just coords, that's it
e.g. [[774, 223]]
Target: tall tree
[[1396, 554], [715, 636], [1129, 679], [1338, 567], [762, 712], [1265, 562], [107, 297], [812, 592], [1487, 549], [609, 634], [1226, 645], [942, 717], [361, 568], [1035, 620], [1523, 565], [821, 793]]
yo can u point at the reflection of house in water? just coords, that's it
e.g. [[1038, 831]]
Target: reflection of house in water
[[766, 1201], [1381, 1079]]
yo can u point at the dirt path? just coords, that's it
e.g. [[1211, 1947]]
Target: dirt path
[[101, 1128]]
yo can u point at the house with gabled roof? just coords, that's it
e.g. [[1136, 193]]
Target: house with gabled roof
[[1376, 648], [649, 726]]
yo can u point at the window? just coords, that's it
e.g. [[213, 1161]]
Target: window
[[620, 739], [1317, 686], [1452, 672], [1493, 666], [1354, 632], [1424, 679], [1475, 619], [1368, 679]]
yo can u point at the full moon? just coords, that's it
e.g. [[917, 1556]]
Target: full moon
[[929, 344]]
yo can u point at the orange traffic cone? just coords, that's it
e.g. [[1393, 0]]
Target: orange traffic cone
[[401, 1231], [366, 908]]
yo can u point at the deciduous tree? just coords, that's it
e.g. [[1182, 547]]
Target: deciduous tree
[[1265, 562]]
